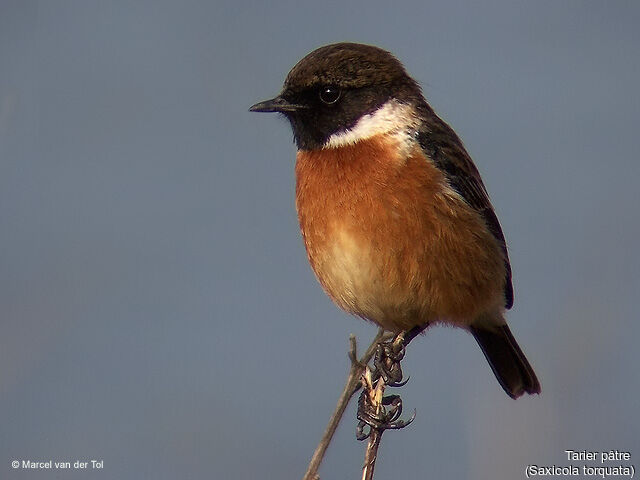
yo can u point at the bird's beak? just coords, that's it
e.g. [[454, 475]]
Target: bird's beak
[[277, 104]]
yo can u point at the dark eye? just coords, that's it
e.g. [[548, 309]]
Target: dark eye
[[329, 95]]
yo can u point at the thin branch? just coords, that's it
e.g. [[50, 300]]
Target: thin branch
[[351, 386], [374, 409], [371, 454], [375, 434]]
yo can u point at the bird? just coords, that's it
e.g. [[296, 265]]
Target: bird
[[396, 221]]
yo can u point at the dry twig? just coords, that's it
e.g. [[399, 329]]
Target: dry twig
[[351, 386], [375, 435]]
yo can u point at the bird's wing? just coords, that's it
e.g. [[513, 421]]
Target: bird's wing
[[445, 149]]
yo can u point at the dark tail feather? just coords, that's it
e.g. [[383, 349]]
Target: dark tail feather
[[507, 361]]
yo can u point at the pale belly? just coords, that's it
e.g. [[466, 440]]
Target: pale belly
[[370, 282]]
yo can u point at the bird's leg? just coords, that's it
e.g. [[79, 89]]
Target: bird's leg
[[374, 409], [377, 411], [389, 355], [387, 361]]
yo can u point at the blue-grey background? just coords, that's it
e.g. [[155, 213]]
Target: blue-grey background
[[157, 309]]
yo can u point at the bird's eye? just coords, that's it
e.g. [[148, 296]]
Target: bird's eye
[[329, 95]]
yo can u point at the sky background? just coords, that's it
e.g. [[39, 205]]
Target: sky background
[[156, 307]]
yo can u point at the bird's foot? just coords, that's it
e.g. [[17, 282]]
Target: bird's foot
[[377, 411], [387, 361]]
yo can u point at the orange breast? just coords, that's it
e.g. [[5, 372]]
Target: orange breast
[[390, 241]]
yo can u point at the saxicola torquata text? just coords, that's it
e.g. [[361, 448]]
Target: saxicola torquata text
[[396, 221]]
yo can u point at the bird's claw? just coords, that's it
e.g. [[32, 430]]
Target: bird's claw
[[386, 417], [387, 361]]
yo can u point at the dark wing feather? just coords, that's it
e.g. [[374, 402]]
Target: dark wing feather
[[446, 150]]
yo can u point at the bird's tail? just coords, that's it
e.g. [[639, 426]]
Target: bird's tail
[[510, 366]]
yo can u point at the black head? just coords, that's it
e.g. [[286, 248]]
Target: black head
[[332, 87]]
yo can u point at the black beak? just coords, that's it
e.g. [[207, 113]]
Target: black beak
[[277, 104]]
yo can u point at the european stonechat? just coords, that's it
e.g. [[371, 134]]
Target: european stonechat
[[396, 221]]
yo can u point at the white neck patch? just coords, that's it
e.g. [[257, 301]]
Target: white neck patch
[[392, 118]]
